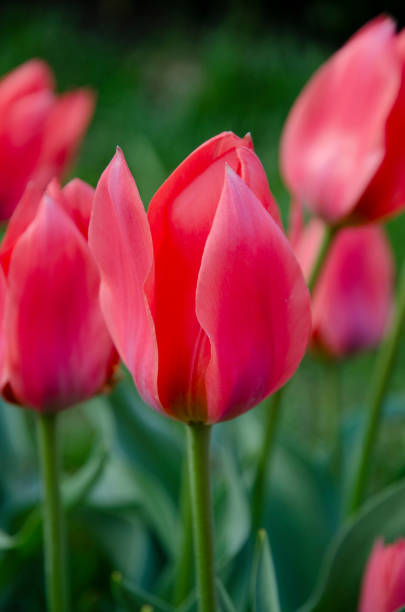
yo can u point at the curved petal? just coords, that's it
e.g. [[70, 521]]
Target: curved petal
[[252, 302], [31, 77], [334, 138], [21, 141], [64, 130], [385, 196], [58, 350], [120, 240], [3, 290], [180, 217], [79, 196], [383, 585], [354, 294]]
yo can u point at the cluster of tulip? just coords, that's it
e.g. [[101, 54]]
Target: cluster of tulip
[[204, 297]]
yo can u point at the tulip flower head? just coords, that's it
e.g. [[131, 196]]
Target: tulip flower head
[[342, 150], [39, 131], [353, 297], [55, 349], [383, 587], [203, 297]]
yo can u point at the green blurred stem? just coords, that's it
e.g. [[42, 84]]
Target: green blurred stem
[[54, 544], [328, 236], [198, 447], [379, 385], [331, 408], [183, 577], [273, 404]]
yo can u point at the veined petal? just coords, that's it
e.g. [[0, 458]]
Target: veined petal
[[58, 350], [120, 240], [252, 302], [334, 139]]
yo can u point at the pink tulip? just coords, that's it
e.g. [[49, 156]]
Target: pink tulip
[[39, 131], [383, 588], [353, 297], [342, 150], [54, 346], [203, 297]]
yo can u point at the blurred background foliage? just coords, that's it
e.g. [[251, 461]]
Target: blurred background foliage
[[169, 76]]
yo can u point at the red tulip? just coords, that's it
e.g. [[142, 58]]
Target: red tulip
[[203, 297], [353, 297], [383, 588], [342, 150], [54, 349], [39, 131]]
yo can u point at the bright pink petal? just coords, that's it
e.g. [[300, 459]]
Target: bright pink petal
[[252, 302], [79, 196], [65, 128], [385, 195], [120, 240], [353, 298], [21, 141], [334, 139], [58, 350], [32, 77], [180, 217], [383, 586], [3, 290]]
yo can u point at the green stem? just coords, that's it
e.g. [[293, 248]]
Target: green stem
[[55, 575], [330, 409], [273, 404], [328, 236], [379, 385], [201, 505], [184, 569]]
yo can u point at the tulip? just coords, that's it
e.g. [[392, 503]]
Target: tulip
[[39, 131], [353, 297], [203, 297], [342, 150], [55, 349], [383, 587]]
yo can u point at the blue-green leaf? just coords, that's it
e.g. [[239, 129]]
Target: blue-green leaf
[[264, 583]]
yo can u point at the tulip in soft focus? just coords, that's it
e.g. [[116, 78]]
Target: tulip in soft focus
[[342, 151], [353, 297], [54, 346], [203, 297], [39, 131], [383, 588]]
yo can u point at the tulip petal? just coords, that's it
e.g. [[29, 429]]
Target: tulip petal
[[334, 139], [2, 342], [180, 217], [65, 128], [58, 350], [31, 77], [78, 197], [252, 302], [353, 297], [120, 240]]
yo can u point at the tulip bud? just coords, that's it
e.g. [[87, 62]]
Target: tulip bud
[[203, 297], [383, 587], [55, 349], [353, 297], [342, 151], [39, 131]]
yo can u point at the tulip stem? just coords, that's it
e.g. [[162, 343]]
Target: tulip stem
[[198, 437], [55, 574], [379, 385], [328, 236], [184, 569], [273, 405]]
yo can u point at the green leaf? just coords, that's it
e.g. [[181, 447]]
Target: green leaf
[[340, 577], [401, 609], [225, 602], [135, 597], [264, 583]]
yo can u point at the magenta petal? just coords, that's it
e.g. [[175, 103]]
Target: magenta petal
[[58, 350], [120, 240], [78, 197], [251, 301]]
